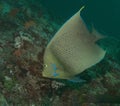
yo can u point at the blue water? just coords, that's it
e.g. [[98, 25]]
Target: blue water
[[63, 8]]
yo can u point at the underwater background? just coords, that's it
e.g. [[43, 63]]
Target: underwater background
[[63, 8], [26, 27]]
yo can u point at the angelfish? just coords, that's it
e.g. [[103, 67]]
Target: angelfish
[[72, 50]]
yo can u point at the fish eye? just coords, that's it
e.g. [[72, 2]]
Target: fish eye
[[45, 65]]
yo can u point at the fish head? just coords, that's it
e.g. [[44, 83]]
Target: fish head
[[53, 67]]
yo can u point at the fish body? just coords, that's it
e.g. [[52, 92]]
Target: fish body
[[72, 50]]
